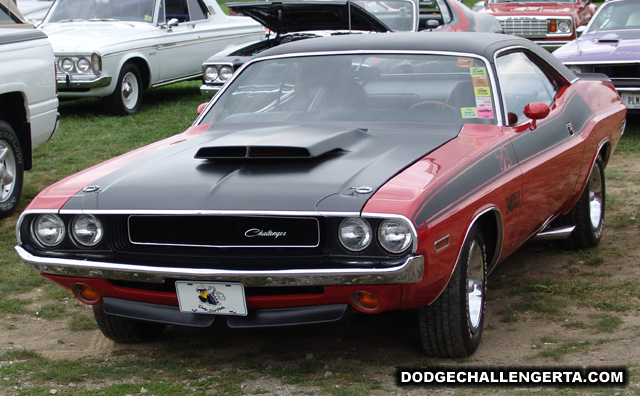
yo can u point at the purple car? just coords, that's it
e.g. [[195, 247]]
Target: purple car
[[610, 45]]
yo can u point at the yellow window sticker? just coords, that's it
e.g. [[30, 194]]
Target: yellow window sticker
[[482, 91], [469, 112], [148, 18], [478, 71]]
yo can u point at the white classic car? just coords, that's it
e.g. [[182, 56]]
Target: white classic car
[[115, 49]]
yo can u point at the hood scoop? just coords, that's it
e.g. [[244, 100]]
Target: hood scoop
[[278, 142], [609, 38]]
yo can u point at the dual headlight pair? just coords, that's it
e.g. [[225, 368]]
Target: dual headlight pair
[[50, 230], [81, 64], [394, 235], [217, 73]]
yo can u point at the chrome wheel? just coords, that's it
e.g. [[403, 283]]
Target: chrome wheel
[[595, 199], [7, 171], [475, 289], [130, 90]]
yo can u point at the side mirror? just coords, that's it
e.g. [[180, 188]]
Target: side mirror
[[201, 107], [171, 23], [580, 30], [432, 24], [536, 111]]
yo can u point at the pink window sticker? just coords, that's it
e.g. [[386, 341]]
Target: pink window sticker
[[469, 112], [485, 113]]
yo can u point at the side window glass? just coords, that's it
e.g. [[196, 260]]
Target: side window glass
[[177, 9], [523, 82], [197, 10]]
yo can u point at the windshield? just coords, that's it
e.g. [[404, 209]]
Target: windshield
[[616, 16], [397, 15], [532, 1], [378, 87], [122, 10]]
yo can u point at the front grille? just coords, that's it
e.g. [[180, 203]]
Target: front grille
[[528, 27], [224, 231]]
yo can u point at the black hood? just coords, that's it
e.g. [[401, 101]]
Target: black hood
[[303, 16], [248, 167]]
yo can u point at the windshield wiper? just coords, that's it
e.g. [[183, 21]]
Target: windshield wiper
[[104, 20], [70, 20]]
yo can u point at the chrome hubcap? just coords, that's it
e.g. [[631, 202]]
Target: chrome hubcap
[[595, 198], [130, 90], [7, 171], [475, 280]]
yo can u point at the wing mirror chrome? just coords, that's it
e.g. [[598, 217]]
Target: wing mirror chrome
[[536, 111], [171, 23]]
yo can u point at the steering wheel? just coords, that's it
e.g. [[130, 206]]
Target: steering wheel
[[434, 104]]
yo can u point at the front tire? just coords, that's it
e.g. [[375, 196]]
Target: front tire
[[451, 327], [125, 330], [11, 170], [588, 213], [126, 98]]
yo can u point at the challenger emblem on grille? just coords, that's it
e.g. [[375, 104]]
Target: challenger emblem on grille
[[256, 232]]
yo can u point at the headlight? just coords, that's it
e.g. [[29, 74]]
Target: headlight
[[395, 235], [355, 234], [83, 65], [564, 26], [96, 63], [210, 74], [49, 229], [66, 64], [226, 72], [87, 230]]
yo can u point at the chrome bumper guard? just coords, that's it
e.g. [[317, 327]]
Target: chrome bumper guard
[[409, 271]]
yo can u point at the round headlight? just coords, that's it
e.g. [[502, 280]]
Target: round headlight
[[564, 26], [210, 73], [395, 235], [355, 233], [66, 64], [49, 230], [226, 72], [87, 230], [83, 65]]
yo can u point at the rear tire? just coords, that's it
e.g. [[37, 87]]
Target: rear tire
[[451, 327], [125, 330], [126, 98], [588, 213], [11, 170]]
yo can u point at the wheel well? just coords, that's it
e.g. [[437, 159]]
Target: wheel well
[[605, 153], [14, 112], [143, 68], [491, 225]]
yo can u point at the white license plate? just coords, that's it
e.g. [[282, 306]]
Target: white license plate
[[218, 298], [632, 101]]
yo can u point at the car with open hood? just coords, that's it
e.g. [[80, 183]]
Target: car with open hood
[[302, 19], [345, 174], [610, 45], [116, 49], [550, 24]]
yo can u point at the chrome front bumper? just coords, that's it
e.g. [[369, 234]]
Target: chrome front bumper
[[66, 82], [409, 271]]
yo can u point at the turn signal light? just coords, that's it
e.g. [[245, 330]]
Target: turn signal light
[[85, 293], [553, 27], [365, 300]]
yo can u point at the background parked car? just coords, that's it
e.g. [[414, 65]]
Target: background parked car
[[610, 45], [296, 20], [550, 24], [28, 101], [115, 49]]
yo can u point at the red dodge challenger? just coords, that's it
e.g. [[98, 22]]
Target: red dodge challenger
[[348, 174]]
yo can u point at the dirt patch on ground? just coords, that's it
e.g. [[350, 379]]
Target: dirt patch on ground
[[594, 320]]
